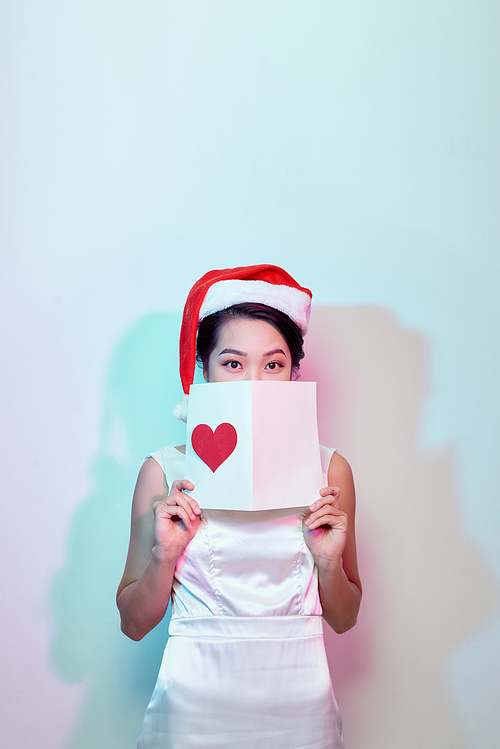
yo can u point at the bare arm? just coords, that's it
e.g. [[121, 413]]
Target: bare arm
[[331, 538], [162, 525]]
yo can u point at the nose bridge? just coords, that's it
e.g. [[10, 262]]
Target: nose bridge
[[253, 372]]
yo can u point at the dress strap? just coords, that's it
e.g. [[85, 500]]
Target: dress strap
[[326, 456], [171, 461]]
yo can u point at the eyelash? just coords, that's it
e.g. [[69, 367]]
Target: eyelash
[[231, 361]]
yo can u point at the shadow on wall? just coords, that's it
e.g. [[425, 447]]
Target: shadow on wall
[[141, 390], [424, 586]]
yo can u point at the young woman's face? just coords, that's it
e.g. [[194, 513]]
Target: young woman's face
[[249, 350]]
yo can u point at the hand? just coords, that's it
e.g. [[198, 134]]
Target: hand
[[325, 528], [177, 518]]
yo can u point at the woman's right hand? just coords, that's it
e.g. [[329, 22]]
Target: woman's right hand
[[161, 527], [176, 519]]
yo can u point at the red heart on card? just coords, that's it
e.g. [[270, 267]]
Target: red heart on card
[[214, 447]]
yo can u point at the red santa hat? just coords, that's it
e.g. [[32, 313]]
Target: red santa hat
[[219, 289]]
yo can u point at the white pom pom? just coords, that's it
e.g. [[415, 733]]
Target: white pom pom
[[181, 409]]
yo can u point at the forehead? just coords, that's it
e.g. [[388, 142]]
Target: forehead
[[249, 333]]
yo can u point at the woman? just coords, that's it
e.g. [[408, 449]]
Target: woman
[[245, 664]]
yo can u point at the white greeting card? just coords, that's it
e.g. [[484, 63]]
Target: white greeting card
[[253, 445]]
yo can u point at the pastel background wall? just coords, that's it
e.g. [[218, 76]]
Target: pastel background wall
[[354, 144]]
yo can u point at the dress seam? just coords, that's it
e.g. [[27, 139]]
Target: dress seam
[[212, 570], [297, 573]]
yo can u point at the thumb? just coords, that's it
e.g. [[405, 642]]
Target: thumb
[[181, 485]]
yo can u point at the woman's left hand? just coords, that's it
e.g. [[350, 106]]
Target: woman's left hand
[[325, 527]]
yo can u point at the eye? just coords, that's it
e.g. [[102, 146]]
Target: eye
[[231, 364], [273, 365]]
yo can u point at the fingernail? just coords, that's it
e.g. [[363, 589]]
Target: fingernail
[[308, 521], [313, 507]]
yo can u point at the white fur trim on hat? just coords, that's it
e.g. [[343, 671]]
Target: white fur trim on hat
[[293, 302], [181, 409]]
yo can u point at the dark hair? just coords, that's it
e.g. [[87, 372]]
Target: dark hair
[[209, 329]]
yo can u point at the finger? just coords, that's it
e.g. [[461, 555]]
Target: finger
[[339, 521], [324, 509], [331, 499], [185, 501], [333, 490], [182, 485], [162, 510]]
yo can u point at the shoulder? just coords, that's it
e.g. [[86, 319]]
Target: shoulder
[[340, 474], [339, 469], [162, 467], [151, 479]]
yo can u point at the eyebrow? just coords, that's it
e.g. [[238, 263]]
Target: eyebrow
[[242, 353], [275, 351], [232, 351]]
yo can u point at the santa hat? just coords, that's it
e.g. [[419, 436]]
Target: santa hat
[[219, 289]]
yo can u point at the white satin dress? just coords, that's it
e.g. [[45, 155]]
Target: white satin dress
[[245, 665]]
